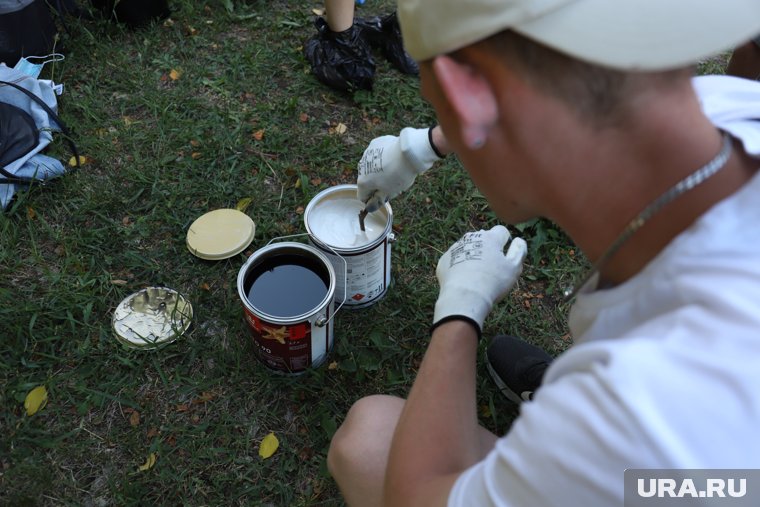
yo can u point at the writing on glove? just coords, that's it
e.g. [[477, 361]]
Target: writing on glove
[[390, 164], [475, 273]]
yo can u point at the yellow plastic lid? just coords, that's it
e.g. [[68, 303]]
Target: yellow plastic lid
[[220, 234]]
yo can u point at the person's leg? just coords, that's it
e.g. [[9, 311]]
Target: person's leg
[[384, 34], [359, 449], [339, 14], [338, 54], [745, 60]]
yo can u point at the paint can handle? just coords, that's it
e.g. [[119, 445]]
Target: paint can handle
[[322, 321]]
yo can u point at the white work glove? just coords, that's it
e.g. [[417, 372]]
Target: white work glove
[[390, 164], [475, 273]]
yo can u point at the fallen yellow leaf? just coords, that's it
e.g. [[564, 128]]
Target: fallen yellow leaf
[[148, 462], [340, 128], [35, 400], [258, 135], [318, 12], [175, 74], [268, 445], [73, 160], [243, 204]]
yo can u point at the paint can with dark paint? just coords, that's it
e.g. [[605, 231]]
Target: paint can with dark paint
[[288, 294], [332, 222]]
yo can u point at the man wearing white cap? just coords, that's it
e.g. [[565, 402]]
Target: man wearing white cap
[[584, 112]]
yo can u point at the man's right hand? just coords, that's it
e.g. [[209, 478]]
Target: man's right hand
[[391, 163]]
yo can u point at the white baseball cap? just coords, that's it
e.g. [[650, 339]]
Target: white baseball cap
[[622, 34]]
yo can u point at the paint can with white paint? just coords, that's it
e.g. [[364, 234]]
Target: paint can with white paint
[[332, 222]]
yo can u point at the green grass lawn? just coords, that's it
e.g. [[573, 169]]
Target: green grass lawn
[[182, 117]]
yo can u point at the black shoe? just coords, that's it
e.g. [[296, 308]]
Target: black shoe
[[385, 34], [341, 60], [516, 366]]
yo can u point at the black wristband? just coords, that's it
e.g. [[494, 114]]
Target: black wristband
[[432, 144], [457, 317]]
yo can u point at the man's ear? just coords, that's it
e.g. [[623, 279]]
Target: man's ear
[[470, 96]]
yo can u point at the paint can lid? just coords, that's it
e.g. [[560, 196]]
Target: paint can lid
[[152, 317], [220, 234]]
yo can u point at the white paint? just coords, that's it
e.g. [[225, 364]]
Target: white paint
[[336, 223]]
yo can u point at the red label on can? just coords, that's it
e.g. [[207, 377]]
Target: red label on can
[[281, 347]]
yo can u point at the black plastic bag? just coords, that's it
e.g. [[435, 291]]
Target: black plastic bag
[[342, 61], [26, 29], [133, 13]]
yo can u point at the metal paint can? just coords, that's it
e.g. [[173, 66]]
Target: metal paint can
[[288, 295], [332, 222]]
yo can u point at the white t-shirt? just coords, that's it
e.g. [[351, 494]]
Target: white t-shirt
[[665, 369]]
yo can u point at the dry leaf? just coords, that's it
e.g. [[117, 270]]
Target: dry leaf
[[119, 282], [268, 445], [134, 418], [30, 213], [333, 366], [175, 74], [341, 129], [35, 400], [297, 183], [183, 407], [243, 204], [318, 12], [258, 135], [299, 210], [196, 155], [73, 160], [205, 286], [195, 143], [148, 462], [303, 117], [205, 397], [152, 432], [127, 120]]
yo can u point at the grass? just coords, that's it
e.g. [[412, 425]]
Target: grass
[[176, 119]]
